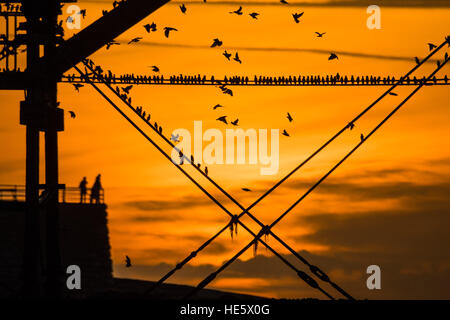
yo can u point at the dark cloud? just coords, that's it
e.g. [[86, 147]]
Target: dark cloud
[[175, 204]]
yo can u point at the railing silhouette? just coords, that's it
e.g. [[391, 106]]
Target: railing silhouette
[[9, 192]]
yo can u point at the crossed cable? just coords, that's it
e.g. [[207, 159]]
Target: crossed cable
[[265, 230], [235, 219]]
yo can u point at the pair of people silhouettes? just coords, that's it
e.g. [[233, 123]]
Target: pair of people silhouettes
[[95, 190]]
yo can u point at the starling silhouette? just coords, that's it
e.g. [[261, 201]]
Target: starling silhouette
[[417, 60], [127, 261], [72, 114], [297, 16], [333, 56], [285, 133], [289, 117], [217, 106], [320, 35], [135, 40], [222, 119], [236, 58], [183, 8], [167, 31], [238, 11], [227, 55], [150, 27], [154, 68], [284, 2], [206, 170], [127, 89], [110, 43], [235, 122], [362, 137], [351, 125], [393, 93], [216, 43], [254, 15], [432, 46], [78, 86], [246, 189]]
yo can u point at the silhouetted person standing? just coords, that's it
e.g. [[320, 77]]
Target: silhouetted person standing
[[83, 190], [95, 191]]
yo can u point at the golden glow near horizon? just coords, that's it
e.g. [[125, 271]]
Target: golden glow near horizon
[[384, 206]]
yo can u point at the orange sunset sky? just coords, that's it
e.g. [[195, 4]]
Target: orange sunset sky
[[387, 205]]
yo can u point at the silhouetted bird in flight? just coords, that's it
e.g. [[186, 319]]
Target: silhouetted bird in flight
[[235, 122], [167, 31], [82, 13], [362, 137], [246, 189], [223, 119], [393, 93], [285, 133], [216, 43], [150, 27], [289, 117], [175, 138], [72, 114], [127, 261], [297, 16], [78, 86], [238, 11], [227, 55], [284, 2], [127, 89], [417, 60], [183, 8], [320, 35], [333, 56], [254, 15], [432, 46], [351, 125], [217, 106], [110, 43], [236, 58], [154, 68], [135, 40]]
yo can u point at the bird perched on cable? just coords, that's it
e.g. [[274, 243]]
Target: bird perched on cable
[[206, 170], [254, 15], [135, 40], [285, 133], [222, 119], [110, 43], [236, 58], [127, 89], [192, 159], [217, 106], [333, 56], [289, 117], [362, 137], [351, 125], [216, 43], [78, 86], [320, 35], [72, 114], [417, 60], [238, 11], [432, 46], [183, 8], [297, 16], [127, 262], [154, 68], [150, 27], [227, 55], [167, 31], [235, 122]]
